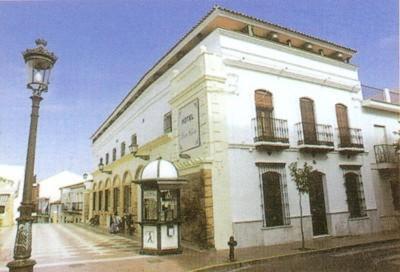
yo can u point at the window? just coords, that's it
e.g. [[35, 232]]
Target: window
[[127, 198], [272, 199], [395, 187], [100, 200], [133, 139], [167, 122], [274, 194], [355, 195], [264, 115], [101, 161], [106, 199], [2, 209], [114, 154], [123, 149], [308, 120], [343, 124], [116, 199], [107, 158], [94, 201]]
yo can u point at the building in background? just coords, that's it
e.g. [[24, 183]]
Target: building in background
[[43, 209], [72, 200], [50, 193], [232, 104], [35, 198], [380, 117], [55, 212], [11, 186]]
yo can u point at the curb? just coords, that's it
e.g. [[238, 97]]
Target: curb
[[250, 262]]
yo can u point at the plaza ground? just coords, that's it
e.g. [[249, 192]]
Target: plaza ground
[[70, 247]]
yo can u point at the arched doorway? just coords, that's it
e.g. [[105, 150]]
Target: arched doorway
[[317, 205]]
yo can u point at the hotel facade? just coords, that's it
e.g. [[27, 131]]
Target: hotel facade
[[232, 104]]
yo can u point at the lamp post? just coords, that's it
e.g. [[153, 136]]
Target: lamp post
[[39, 62]]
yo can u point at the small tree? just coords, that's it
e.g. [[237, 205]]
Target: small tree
[[302, 177]]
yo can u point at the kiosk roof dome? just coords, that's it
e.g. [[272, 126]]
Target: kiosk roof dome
[[160, 169]]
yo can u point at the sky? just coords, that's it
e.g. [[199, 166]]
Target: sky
[[104, 47]]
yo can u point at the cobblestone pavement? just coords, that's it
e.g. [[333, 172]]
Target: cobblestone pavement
[[68, 244]]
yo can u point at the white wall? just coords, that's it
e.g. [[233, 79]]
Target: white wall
[[145, 116]]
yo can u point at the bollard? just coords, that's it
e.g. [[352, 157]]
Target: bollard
[[232, 243]]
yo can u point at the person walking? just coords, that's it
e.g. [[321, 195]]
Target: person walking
[[115, 222]]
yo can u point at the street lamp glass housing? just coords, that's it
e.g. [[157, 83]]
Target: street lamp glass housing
[[133, 148], [39, 62]]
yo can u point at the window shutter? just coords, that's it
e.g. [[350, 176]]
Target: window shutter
[[263, 100], [308, 120], [343, 124]]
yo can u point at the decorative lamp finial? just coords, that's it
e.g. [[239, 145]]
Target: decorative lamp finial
[[41, 42]]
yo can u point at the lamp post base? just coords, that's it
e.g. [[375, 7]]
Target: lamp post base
[[24, 265]]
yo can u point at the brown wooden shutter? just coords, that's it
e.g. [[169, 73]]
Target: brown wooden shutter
[[263, 100], [343, 125], [264, 108], [308, 120]]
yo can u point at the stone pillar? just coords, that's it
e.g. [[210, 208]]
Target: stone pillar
[[208, 206]]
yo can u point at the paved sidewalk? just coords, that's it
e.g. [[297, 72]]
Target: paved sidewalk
[[211, 260], [72, 248]]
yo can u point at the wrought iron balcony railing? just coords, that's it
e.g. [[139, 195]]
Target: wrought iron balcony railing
[[270, 130], [73, 206], [386, 153], [350, 137], [314, 134]]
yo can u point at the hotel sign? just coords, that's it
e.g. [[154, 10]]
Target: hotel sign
[[189, 126]]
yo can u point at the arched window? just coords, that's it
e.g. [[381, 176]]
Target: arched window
[[354, 195], [94, 201], [127, 192], [343, 124], [114, 154], [123, 147], [116, 194], [100, 200], [106, 199], [264, 114], [273, 205], [308, 120]]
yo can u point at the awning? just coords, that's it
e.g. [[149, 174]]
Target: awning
[[3, 199]]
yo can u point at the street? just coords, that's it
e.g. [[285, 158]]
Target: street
[[68, 244], [378, 257], [70, 247]]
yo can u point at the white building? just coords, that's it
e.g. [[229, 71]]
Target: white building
[[72, 197], [11, 187], [49, 193], [244, 98], [50, 187]]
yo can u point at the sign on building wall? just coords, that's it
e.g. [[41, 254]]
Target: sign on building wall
[[189, 127]]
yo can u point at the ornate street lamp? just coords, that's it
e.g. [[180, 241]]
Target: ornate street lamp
[[133, 148], [39, 62]]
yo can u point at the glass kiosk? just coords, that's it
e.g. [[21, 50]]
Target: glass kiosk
[[160, 194]]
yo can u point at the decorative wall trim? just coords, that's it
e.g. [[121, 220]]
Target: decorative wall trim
[[289, 73]]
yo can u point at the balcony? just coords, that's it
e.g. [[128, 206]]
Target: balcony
[[381, 99], [386, 157], [72, 207], [271, 134], [350, 141], [314, 138]]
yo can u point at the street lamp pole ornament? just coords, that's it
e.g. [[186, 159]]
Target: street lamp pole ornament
[[39, 62]]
